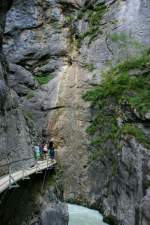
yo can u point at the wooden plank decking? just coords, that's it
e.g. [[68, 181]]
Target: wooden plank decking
[[9, 180]]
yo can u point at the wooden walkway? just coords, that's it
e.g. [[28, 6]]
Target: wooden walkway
[[10, 180]]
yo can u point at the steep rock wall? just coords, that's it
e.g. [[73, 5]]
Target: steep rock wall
[[36, 44], [120, 196], [14, 138], [70, 43]]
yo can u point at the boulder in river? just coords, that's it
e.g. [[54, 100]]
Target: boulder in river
[[53, 211]]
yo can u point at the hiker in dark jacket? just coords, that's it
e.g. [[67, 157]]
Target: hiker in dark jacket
[[51, 150], [41, 150]]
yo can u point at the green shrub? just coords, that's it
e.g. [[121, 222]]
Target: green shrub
[[117, 90], [69, 20], [117, 82], [131, 129], [43, 78], [94, 16]]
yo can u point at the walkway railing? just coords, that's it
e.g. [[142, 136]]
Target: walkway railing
[[10, 180]]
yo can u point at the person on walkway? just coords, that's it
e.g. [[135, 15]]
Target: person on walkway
[[45, 151], [42, 150], [37, 152], [51, 150]]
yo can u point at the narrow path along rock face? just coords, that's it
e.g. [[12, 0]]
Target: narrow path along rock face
[[9, 181], [56, 51]]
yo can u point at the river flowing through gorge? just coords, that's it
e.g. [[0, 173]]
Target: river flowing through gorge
[[77, 73], [23, 207], [79, 215]]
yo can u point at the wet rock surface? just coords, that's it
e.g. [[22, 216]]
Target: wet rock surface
[[53, 212], [54, 215], [38, 50], [51, 40], [14, 138]]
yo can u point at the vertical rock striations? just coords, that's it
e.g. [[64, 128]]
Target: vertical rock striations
[[57, 50], [115, 182], [14, 137]]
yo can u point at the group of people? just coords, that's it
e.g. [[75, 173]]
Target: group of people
[[43, 151]]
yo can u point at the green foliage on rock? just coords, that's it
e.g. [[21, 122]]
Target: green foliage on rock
[[133, 130], [28, 115], [124, 40], [90, 67], [69, 20], [94, 16], [124, 89], [125, 43], [94, 19], [30, 95], [43, 78]]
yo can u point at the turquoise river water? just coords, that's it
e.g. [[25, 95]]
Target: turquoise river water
[[79, 215]]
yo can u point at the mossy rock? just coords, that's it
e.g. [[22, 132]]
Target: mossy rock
[[44, 78]]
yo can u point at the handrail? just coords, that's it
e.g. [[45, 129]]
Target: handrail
[[16, 161], [10, 180]]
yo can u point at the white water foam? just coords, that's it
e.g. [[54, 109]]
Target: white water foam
[[79, 215]]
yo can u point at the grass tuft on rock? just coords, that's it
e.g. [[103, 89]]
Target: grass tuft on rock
[[131, 129], [28, 115], [43, 78], [30, 94]]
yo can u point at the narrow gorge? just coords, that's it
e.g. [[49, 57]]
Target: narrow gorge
[[76, 72]]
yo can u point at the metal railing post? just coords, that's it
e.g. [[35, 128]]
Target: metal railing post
[[12, 182], [37, 167], [9, 171], [47, 163], [24, 175], [24, 172]]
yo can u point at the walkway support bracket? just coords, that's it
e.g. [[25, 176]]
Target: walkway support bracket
[[12, 182], [11, 179], [38, 167], [25, 177]]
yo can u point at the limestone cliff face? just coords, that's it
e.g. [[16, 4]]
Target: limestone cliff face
[[14, 137], [123, 196], [36, 44], [57, 51]]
